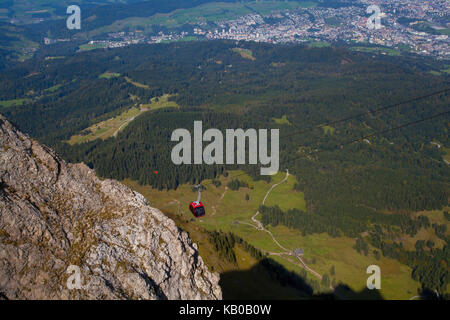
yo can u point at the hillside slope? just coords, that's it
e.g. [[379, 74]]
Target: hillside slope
[[54, 214]]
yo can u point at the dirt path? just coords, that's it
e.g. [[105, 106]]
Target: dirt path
[[258, 223], [219, 201], [259, 226], [127, 121]]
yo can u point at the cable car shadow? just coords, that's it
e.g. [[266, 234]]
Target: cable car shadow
[[269, 280]]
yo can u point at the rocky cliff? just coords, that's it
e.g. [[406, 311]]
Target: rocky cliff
[[66, 234]]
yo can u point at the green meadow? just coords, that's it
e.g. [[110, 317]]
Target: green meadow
[[13, 102], [229, 210], [282, 120], [111, 127], [109, 75]]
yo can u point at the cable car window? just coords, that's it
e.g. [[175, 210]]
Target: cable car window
[[199, 212]]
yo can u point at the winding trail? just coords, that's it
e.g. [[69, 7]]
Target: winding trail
[[259, 226], [127, 121]]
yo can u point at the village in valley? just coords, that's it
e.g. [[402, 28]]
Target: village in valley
[[413, 26]]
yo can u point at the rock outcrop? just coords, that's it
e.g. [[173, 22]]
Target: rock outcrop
[[66, 234]]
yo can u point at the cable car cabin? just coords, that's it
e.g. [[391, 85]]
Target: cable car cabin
[[197, 209]]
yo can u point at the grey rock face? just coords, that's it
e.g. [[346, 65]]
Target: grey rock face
[[54, 215]]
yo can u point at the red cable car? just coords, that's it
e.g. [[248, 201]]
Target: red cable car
[[196, 207]]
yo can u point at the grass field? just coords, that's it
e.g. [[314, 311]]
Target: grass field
[[160, 102], [225, 207], [137, 84], [378, 50], [282, 120], [54, 57], [446, 69], [187, 38], [245, 53], [285, 197], [105, 129], [109, 75], [14, 102], [53, 88], [88, 46], [319, 44], [447, 154], [423, 234], [328, 129]]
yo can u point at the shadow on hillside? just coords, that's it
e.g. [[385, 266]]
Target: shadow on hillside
[[265, 280], [344, 292], [270, 280]]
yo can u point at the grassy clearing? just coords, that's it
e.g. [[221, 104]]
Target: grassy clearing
[[111, 127], [187, 38], [447, 154], [435, 216], [266, 7], [445, 31], [423, 234], [282, 120], [377, 50], [285, 196], [93, 46], [13, 102], [245, 53], [328, 130], [446, 69], [54, 57], [109, 75], [137, 84], [54, 88], [318, 44], [105, 129], [160, 102]]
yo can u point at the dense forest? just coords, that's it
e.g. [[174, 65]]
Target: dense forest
[[396, 173]]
